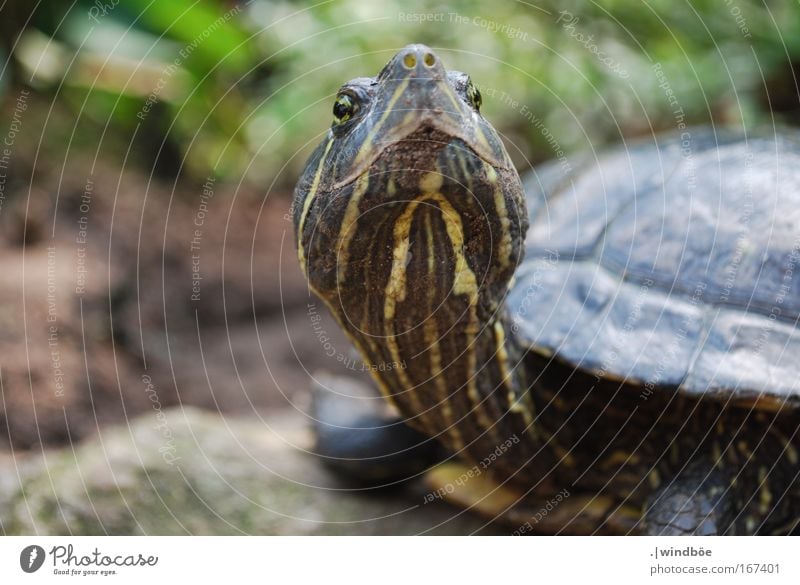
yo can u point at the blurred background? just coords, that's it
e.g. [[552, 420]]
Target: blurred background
[[147, 268]]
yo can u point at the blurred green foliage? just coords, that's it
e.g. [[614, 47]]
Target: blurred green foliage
[[244, 89]]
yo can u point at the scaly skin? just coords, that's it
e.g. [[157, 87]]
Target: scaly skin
[[410, 223]]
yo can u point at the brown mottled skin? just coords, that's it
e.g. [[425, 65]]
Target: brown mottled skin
[[411, 223]]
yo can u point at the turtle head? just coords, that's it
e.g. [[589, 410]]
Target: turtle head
[[410, 181], [413, 97], [410, 221]]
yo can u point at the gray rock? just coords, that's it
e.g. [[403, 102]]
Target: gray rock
[[186, 471]]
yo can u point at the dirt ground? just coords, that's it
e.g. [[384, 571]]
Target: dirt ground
[[120, 293]]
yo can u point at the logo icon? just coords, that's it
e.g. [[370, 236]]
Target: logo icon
[[31, 558]]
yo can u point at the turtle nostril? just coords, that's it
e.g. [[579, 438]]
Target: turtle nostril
[[410, 61], [429, 59]]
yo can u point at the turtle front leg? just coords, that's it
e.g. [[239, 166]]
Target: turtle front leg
[[364, 442], [697, 501]]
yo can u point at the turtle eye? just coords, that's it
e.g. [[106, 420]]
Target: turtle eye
[[344, 108], [474, 96]]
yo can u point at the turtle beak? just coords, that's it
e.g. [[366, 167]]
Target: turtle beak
[[415, 93], [416, 62]]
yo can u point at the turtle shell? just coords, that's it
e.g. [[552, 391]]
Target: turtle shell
[[672, 263]]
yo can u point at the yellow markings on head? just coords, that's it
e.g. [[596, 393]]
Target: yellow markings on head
[[431, 339], [765, 496], [429, 236], [431, 183], [620, 458], [366, 148], [472, 384], [465, 174], [446, 90], [464, 283], [480, 493], [357, 342], [348, 227], [515, 402], [395, 293], [674, 453], [716, 453], [541, 350], [514, 405], [491, 174], [744, 448], [750, 524], [431, 336], [474, 95], [396, 287], [504, 249], [312, 193], [791, 453], [480, 137], [654, 478], [344, 108], [789, 450]]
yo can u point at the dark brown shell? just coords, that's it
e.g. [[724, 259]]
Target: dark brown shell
[[672, 262]]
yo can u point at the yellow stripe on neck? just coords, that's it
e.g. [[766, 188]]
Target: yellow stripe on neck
[[312, 193]]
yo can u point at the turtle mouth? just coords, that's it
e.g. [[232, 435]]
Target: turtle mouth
[[429, 151], [429, 145], [422, 148]]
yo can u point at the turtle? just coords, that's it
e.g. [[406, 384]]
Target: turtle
[[606, 344]]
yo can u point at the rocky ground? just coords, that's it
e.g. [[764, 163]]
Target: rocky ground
[[188, 471], [125, 301]]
